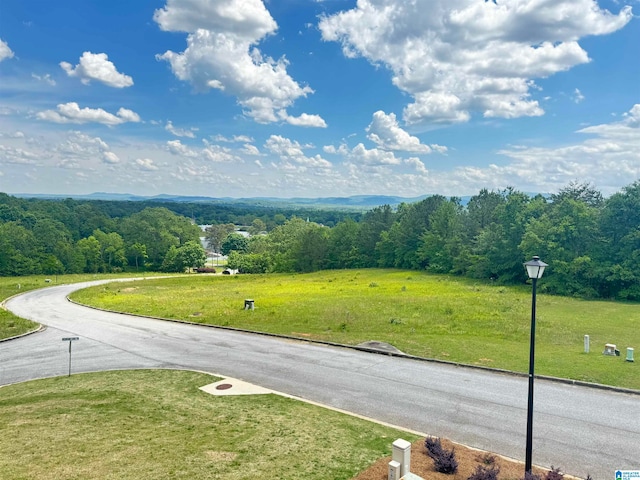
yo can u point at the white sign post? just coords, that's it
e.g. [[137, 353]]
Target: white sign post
[[70, 340]]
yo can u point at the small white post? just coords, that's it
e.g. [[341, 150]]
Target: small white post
[[394, 470], [586, 344], [402, 455], [629, 354]]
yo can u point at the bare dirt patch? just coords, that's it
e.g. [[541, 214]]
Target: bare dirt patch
[[221, 456]]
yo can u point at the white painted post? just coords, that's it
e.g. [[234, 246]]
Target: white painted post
[[586, 344], [402, 455]]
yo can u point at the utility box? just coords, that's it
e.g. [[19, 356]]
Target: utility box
[[402, 455], [629, 354], [394, 470], [609, 349]]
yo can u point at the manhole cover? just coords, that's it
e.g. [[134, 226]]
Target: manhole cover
[[224, 386]]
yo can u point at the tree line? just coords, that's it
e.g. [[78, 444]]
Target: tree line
[[47, 236], [592, 244], [53, 237]]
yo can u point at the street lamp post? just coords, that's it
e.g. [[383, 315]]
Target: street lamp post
[[535, 269]]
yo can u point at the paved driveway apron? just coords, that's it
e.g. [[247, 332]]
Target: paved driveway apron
[[582, 430]]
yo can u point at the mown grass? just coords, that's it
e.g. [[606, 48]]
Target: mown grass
[[433, 316], [158, 424]]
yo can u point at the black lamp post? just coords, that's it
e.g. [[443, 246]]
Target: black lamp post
[[535, 269]]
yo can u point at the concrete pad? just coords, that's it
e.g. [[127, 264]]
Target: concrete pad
[[232, 386]]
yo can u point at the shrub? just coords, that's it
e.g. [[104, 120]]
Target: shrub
[[554, 474], [444, 461], [488, 459], [433, 446], [531, 476], [483, 472]]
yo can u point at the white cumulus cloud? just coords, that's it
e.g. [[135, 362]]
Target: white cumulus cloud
[[417, 164], [385, 132], [306, 120], [96, 66], [17, 155], [373, 157], [146, 164], [221, 54], [180, 132], [79, 148], [609, 158], [72, 113], [5, 51], [209, 153], [178, 148], [459, 57], [292, 154], [234, 139]]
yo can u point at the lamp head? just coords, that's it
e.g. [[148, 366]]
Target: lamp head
[[535, 267]]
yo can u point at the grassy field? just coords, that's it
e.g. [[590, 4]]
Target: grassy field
[[433, 316], [158, 424]]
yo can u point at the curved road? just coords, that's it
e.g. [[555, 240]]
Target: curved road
[[582, 430]]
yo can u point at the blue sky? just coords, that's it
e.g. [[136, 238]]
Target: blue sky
[[304, 98]]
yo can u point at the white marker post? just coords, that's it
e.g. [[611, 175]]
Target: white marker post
[[70, 340]]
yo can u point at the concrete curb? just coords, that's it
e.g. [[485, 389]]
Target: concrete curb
[[566, 381]]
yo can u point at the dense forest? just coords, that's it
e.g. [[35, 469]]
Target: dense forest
[[592, 244], [74, 236]]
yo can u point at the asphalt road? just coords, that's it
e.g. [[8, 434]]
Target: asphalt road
[[581, 430]]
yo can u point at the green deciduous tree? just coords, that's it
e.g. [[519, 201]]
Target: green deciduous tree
[[19, 253], [234, 242], [172, 261], [310, 249], [91, 252], [401, 242], [158, 229], [215, 235], [372, 226], [138, 253], [440, 247], [342, 246], [112, 250], [192, 255]]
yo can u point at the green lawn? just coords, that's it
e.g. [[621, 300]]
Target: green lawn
[[434, 316], [158, 424]]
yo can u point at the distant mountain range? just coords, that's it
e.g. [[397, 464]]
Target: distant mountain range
[[356, 201]]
